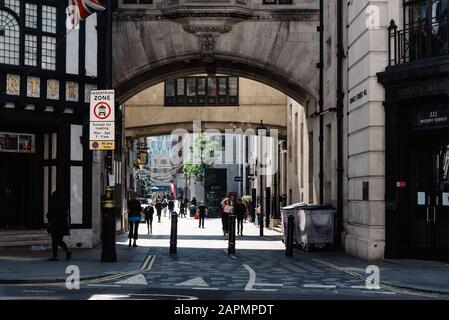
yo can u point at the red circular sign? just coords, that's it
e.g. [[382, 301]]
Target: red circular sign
[[102, 110]]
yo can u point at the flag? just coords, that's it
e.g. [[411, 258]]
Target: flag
[[87, 7]]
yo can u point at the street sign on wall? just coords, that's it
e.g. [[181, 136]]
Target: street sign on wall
[[102, 120]]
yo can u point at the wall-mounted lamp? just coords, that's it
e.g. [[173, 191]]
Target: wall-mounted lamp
[[317, 114]]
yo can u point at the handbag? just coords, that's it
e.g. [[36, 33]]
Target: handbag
[[197, 216]]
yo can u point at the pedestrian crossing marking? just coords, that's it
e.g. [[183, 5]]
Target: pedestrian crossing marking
[[137, 280], [196, 282]]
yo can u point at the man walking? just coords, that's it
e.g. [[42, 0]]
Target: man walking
[[202, 212], [159, 210], [171, 206], [240, 211], [149, 212]]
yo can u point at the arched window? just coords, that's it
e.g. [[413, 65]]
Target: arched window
[[9, 39]]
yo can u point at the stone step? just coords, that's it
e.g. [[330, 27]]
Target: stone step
[[25, 243], [21, 232], [20, 237]]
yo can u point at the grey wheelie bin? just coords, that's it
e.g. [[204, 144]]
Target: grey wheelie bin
[[316, 227], [285, 213]]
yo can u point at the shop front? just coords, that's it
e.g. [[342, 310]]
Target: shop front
[[417, 160]]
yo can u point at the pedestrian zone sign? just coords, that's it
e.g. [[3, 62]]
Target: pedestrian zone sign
[[102, 120]]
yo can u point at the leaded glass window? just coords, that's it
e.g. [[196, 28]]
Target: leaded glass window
[[30, 50], [30, 15], [202, 91], [9, 39], [49, 19], [48, 53], [14, 5]]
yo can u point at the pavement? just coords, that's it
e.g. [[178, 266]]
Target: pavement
[[202, 264]]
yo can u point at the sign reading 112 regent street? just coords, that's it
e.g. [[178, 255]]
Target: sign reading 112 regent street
[[102, 120]]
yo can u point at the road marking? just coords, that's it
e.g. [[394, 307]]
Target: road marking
[[252, 278], [380, 292], [135, 280], [358, 287], [319, 286], [104, 285], [216, 289], [252, 281], [148, 264], [269, 284], [195, 282]]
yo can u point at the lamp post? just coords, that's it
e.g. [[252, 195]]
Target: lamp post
[[261, 131]]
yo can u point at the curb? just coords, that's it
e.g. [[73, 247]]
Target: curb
[[145, 266]]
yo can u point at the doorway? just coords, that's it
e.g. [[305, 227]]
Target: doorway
[[430, 200], [17, 191]]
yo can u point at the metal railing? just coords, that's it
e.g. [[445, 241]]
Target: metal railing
[[417, 41]]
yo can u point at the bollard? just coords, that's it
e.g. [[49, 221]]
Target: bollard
[[231, 247], [174, 232], [289, 244], [261, 224]]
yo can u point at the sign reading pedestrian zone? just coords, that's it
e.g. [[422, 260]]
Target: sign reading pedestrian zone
[[102, 120]]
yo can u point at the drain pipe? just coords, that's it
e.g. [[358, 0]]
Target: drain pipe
[[340, 115], [321, 102]]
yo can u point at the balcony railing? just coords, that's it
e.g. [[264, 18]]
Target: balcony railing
[[417, 41]]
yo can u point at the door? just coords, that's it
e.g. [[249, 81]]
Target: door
[[431, 201], [17, 191], [7, 192]]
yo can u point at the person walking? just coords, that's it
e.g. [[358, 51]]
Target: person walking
[[164, 206], [240, 212], [171, 207], [134, 210], [58, 225], [149, 212], [202, 212], [227, 210], [182, 209], [159, 210]]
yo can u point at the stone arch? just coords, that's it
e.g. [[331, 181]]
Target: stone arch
[[277, 48]]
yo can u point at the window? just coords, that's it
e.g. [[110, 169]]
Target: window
[[38, 22], [137, 1], [30, 15], [277, 1], [30, 50], [9, 39], [14, 5], [48, 53], [49, 19], [202, 91]]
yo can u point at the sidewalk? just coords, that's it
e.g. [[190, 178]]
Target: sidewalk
[[417, 275], [20, 265]]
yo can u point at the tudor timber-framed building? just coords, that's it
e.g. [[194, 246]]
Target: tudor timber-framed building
[[46, 73]]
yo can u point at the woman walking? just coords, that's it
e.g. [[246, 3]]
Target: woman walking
[[58, 225], [227, 210], [134, 210]]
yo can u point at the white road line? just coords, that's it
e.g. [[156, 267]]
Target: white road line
[[269, 284], [216, 289], [252, 278], [319, 286], [104, 285], [380, 292], [252, 281]]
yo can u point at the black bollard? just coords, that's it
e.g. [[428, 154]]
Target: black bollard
[[289, 244], [174, 232], [231, 247], [261, 224]]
